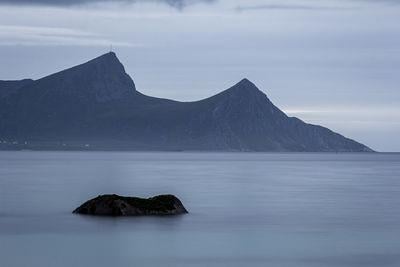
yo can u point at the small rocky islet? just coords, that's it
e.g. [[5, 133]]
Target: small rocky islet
[[115, 206]]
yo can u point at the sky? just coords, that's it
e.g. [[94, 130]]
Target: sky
[[334, 63]]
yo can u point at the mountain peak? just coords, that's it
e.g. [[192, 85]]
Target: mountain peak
[[108, 77], [101, 79], [108, 62], [245, 88], [109, 57], [245, 82], [245, 85]]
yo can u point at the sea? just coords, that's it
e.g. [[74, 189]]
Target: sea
[[245, 209]]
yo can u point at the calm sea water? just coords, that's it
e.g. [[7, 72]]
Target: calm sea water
[[246, 209]]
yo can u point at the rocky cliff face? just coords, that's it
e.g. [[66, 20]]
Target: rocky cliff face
[[96, 106]]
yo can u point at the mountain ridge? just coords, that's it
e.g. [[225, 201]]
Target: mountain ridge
[[95, 105]]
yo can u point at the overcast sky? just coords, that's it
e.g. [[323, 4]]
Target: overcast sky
[[329, 62]]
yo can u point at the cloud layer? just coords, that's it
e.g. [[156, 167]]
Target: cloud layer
[[239, 6], [286, 6], [11, 35], [174, 3]]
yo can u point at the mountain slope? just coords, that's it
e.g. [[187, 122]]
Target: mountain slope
[[96, 106], [10, 87]]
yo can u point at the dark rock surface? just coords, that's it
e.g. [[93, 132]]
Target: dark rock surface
[[114, 205], [95, 106]]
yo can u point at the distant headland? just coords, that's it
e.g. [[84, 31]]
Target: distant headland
[[95, 106]]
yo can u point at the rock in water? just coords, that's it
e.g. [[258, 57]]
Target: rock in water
[[114, 205]]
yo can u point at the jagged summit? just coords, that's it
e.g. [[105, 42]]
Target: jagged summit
[[107, 56], [95, 105], [244, 87], [109, 59], [245, 83], [108, 62], [244, 93], [100, 79]]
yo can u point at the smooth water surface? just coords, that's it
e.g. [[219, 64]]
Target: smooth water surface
[[246, 209]]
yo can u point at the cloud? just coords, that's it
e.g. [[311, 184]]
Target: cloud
[[240, 5], [286, 7], [310, 5], [179, 4], [347, 114], [54, 36]]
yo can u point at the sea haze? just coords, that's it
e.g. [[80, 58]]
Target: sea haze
[[246, 209]]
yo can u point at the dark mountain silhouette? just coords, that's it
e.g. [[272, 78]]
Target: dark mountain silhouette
[[9, 87], [96, 106]]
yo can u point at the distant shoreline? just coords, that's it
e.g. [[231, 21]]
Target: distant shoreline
[[49, 149]]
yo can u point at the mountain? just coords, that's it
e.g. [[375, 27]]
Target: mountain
[[96, 106], [9, 87]]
